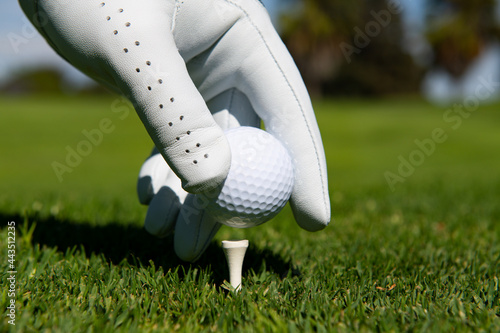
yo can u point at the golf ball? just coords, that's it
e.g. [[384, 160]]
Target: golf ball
[[259, 182]]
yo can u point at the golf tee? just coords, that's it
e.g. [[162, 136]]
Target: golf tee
[[235, 253]]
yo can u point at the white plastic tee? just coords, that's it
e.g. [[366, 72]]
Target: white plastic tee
[[235, 253]]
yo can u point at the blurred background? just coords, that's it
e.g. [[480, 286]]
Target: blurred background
[[383, 76], [406, 94], [434, 48]]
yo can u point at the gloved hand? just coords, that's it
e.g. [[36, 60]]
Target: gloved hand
[[191, 69]]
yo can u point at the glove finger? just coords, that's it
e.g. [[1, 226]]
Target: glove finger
[[162, 212], [262, 69], [118, 43], [194, 229], [281, 100], [159, 187], [154, 174], [267, 74], [152, 177]]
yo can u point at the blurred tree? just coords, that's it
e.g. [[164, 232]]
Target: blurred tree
[[459, 30], [34, 80], [350, 47], [45, 80], [313, 37]]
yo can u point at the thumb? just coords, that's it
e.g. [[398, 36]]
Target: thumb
[[194, 229], [277, 93], [129, 46]]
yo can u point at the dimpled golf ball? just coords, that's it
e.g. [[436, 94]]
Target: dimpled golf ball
[[259, 182]]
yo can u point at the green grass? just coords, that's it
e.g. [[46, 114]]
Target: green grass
[[423, 256]]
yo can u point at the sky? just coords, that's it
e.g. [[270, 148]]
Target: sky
[[21, 45]]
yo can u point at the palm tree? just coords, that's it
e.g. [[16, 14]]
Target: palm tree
[[313, 33], [318, 34], [459, 30]]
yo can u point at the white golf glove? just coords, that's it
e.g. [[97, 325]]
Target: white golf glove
[[191, 69]]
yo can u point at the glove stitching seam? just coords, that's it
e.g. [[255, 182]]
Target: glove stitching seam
[[291, 89]]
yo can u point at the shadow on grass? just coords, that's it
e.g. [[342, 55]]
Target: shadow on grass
[[118, 242]]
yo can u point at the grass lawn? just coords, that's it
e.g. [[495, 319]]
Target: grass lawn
[[414, 244]]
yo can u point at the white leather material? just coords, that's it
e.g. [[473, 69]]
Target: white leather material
[[152, 176], [158, 186], [162, 212], [252, 58], [161, 189], [188, 245], [129, 45], [169, 57]]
